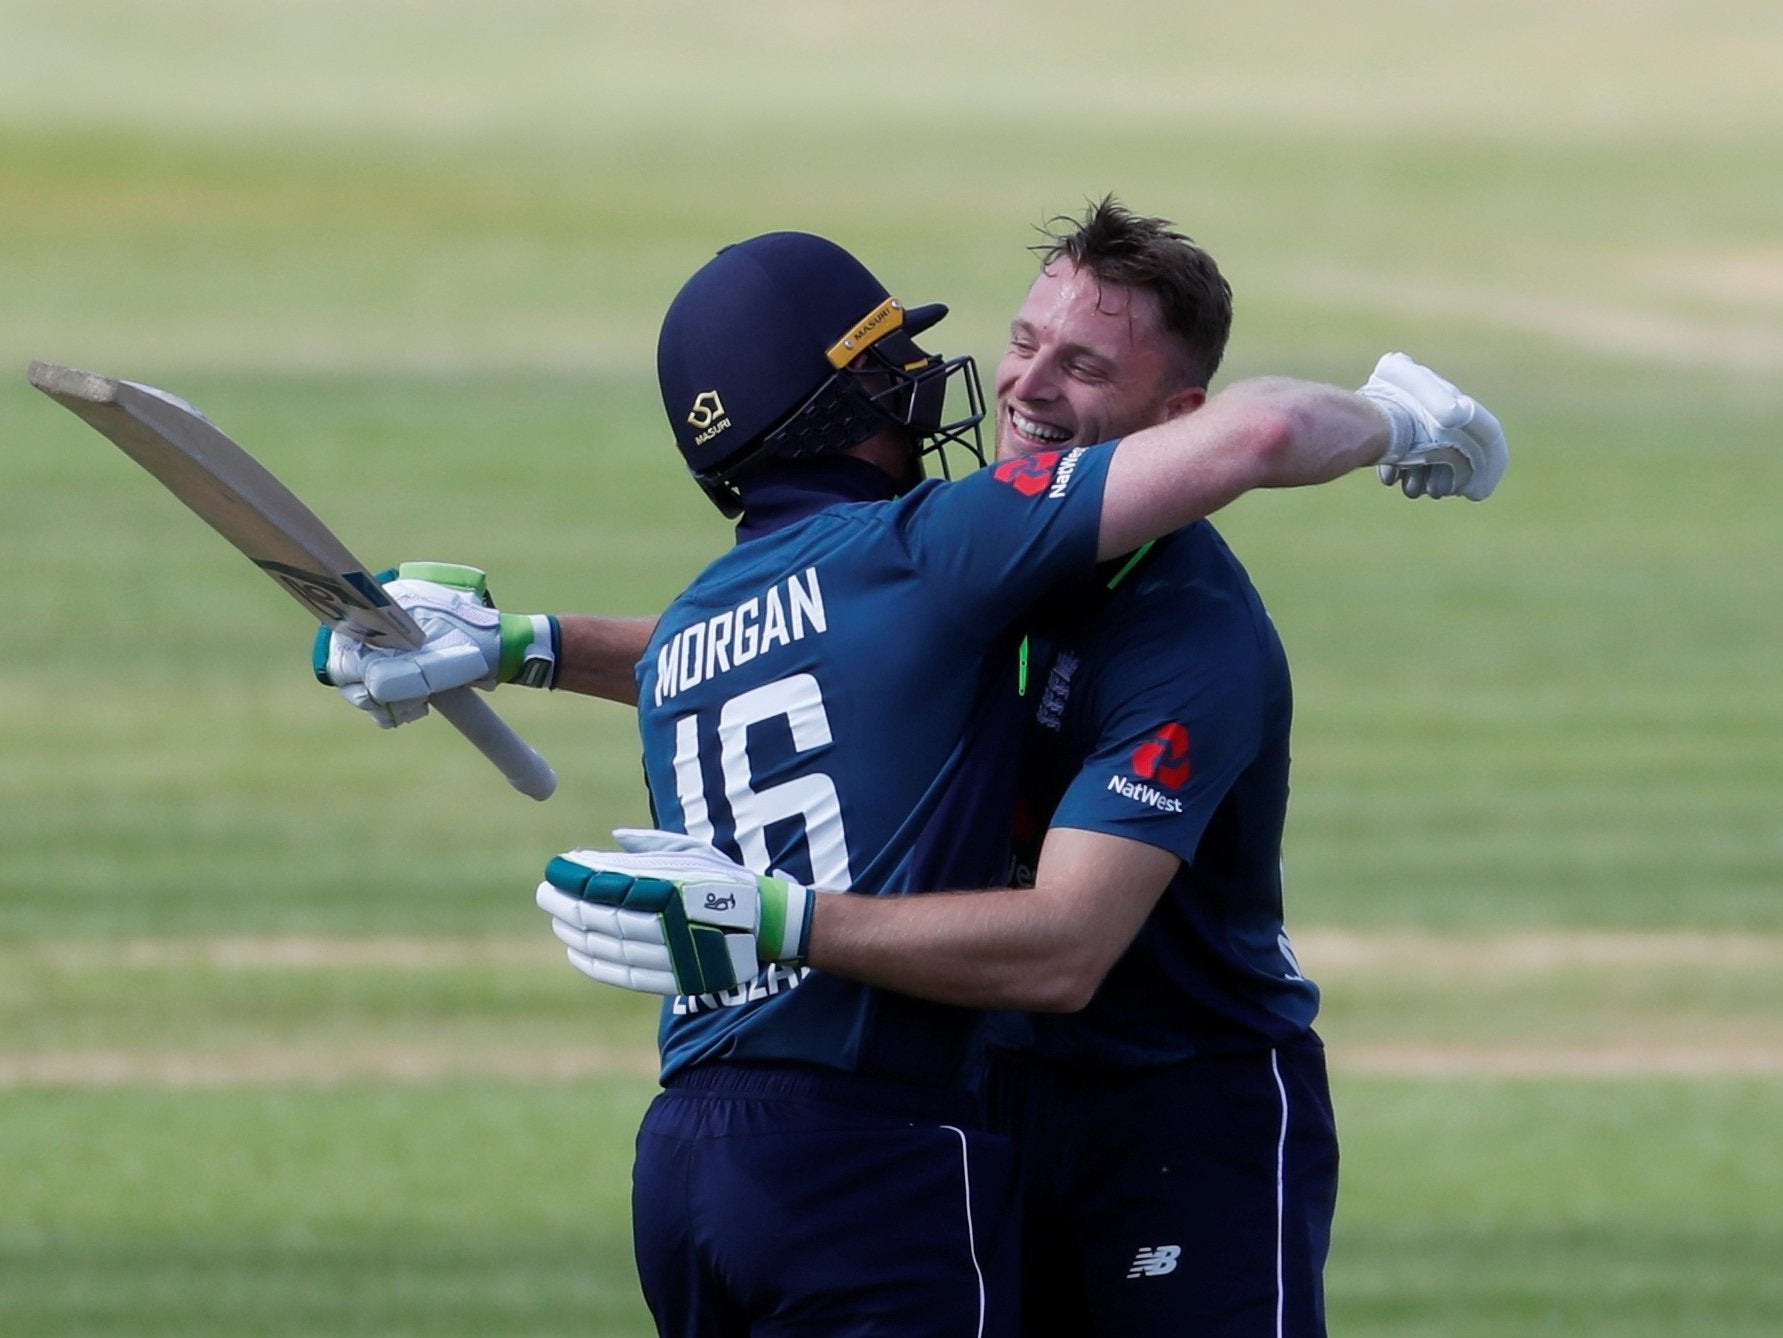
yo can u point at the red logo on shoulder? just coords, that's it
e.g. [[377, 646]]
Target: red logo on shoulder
[[1164, 757], [1029, 474]]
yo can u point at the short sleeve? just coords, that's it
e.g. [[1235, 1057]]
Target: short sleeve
[[1176, 710], [994, 542]]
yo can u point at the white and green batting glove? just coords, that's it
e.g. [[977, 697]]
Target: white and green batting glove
[[1445, 443], [469, 642], [669, 914]]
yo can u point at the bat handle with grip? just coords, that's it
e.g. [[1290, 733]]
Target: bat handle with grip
[[474, 718]]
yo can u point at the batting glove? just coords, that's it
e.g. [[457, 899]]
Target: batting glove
[[469, 642], [1445, 443], [668, 914]]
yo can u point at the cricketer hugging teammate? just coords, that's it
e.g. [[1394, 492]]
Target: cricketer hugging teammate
[[908, 1091]]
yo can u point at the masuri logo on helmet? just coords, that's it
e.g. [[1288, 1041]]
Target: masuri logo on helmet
[[708, 416]]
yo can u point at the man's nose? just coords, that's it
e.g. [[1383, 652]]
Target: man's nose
[[1035, 380]]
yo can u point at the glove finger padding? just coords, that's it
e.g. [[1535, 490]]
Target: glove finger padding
[[775, 907], [469, 642], [463, 644], [633, 941], [606, 878], [572, 915], [1438, 400], [1444, 443], [617, 947], [707, 924], [385, 715], [1493, 454], [451, 661], [638, 979]]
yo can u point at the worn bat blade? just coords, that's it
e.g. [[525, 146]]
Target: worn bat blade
[[240, 499], [237, 496]]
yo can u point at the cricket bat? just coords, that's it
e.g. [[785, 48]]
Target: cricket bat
[[241, 500]]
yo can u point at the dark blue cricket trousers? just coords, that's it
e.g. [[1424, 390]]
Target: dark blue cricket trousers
[[778, 1201], [1190, 1199]]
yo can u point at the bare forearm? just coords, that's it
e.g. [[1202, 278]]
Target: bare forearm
[[1267, 432], [1330, 431], [1043, 949], [997, 948], [599, 655]]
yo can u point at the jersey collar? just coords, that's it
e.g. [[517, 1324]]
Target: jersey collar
[[774, 499]]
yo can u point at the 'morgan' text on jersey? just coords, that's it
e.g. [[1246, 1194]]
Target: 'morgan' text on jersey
[[787, 611]]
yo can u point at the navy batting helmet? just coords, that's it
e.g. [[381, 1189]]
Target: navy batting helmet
[[786, 346]]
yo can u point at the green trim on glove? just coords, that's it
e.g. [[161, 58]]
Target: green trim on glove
[[770, 937], [531, 645], [473, 580], [697, 953], [716, 973], [677, 936]]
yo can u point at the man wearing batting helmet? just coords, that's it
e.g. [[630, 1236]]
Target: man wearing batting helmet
[[832, 705]]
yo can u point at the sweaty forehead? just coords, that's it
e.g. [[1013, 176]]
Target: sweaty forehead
[[1069, 305]]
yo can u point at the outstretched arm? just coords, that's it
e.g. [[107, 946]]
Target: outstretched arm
[[1277, 432], [1268, 432]]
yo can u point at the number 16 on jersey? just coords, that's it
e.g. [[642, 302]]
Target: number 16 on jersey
[[809, 796]]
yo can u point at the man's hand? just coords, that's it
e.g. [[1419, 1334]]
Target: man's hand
[[469, 642], [668, 914], [1445, 443]]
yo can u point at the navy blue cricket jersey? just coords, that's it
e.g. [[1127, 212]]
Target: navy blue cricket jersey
[[832, 699], [1163, 717]]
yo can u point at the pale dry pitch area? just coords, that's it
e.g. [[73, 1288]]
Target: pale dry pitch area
[[1401, 1003]]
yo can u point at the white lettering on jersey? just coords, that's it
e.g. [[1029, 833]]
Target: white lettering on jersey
[[811, 796], [786, 612], [689, 784], [1144, 794], [770, 982], [1061, 479]]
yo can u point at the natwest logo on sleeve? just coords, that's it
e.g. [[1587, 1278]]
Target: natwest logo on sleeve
[[1028, 474], [1045, 471], [1162, 759]]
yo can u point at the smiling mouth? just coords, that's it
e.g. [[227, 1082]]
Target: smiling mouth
[[1043, 433]]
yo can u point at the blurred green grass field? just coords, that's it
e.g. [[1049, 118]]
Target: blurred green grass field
[[284, 1048]]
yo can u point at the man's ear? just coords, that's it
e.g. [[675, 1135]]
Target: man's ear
[[1184, 401]]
